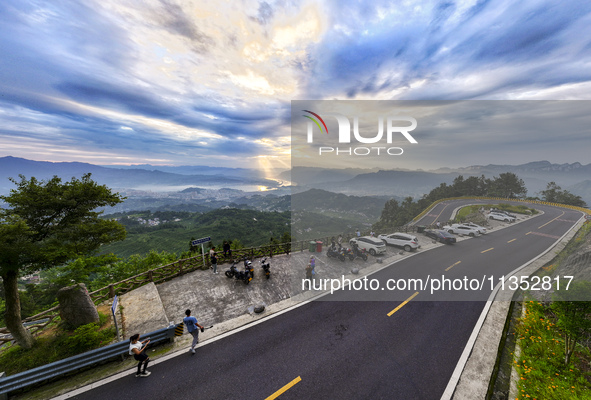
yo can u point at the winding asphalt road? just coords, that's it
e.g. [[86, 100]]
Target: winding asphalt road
[[375, 344]]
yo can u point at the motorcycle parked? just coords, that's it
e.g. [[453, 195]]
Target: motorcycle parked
[[243, 276], [266, 267], [358, 252]]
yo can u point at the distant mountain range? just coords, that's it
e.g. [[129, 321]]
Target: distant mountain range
[[249, 173], [133, 178], [567, 174], [198, 182], [402, 183]]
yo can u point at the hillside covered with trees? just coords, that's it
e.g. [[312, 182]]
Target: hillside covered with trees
[[172, 231]]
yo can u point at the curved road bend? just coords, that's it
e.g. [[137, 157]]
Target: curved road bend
[[353, 349]]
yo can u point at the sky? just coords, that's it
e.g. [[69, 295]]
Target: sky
[[168, 82]]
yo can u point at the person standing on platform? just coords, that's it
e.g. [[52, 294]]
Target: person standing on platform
[[193, 328]]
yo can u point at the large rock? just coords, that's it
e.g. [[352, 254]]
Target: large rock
[[76, 306]]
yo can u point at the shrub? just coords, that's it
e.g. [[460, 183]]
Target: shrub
[[88, 337]]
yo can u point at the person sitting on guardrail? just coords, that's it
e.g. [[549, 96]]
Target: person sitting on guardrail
[[138, 350], [193, 328]]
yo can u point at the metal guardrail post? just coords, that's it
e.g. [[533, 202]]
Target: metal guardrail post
[[3, 396]]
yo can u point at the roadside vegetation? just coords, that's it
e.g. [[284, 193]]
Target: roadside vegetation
[[94, 271], [56, 345], [554, 337], [543, 373]]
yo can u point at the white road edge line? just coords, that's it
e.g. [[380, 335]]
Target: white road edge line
[[455, 376]]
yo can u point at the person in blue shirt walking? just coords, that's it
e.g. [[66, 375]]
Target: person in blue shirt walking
[[193, 328]]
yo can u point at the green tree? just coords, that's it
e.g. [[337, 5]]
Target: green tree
[[572, 314], [46, 224], [508, 185], [555, 194], [390, 212], [551, 192]]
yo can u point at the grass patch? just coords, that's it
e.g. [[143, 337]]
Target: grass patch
[[571, 247], [464, 212], [541, 369]]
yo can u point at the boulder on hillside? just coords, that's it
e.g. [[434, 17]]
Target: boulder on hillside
[[76, 306]]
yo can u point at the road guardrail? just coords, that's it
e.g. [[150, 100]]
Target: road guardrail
[[78, 362]]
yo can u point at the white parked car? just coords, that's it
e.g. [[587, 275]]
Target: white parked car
[[462, 229], [501, 217], [480, 229], [404, 240], [373, 245]]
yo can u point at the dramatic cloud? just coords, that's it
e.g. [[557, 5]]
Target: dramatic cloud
[[192, 82]]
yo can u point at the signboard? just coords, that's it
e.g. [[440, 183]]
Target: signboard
[[200, 241], [114, 306], [113, 310]]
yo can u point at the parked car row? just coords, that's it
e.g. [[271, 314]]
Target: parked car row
[[408, 242]]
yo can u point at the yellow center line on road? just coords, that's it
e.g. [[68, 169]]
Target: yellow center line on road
[[528, 233], [552, 220], [437, 218], [487, 250], [402, 305], [451, 266], [512, 240], [284, 389]]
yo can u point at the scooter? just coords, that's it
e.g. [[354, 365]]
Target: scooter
[[249, 268], [243, 276], [266, 267], [333, 252]]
